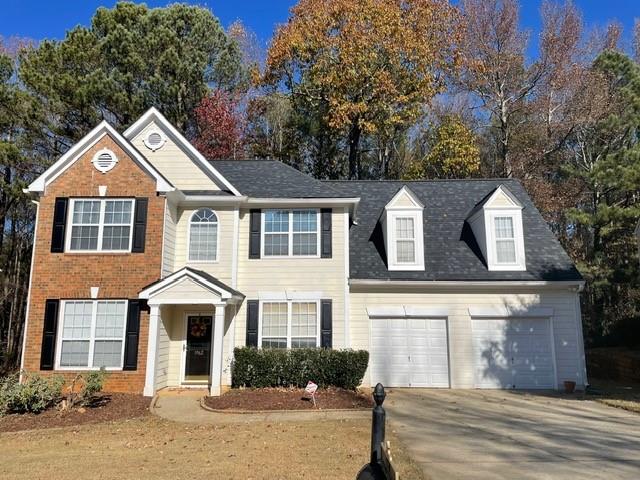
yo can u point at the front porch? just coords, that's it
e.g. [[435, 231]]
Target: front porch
[[191, 316]]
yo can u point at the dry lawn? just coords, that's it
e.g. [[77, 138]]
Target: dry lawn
[[151, 448], [616, 393]]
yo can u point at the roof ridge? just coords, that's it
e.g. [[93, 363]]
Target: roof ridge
[[433, 180]]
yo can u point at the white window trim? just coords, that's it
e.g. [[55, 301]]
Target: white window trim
[[492, 257], [103, 201], [290, 232], [92, 337], [217, 222], [151, 132], [393, 264], [290, 303]]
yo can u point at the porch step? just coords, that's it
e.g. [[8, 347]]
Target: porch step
[[182, 392]]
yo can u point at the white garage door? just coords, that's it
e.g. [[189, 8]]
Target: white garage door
[[409, 352], [513, 353]]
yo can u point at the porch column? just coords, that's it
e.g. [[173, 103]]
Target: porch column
[[217, 343], [152, 350]]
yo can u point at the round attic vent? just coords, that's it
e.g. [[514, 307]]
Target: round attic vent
[[104, 160], [154, 140]]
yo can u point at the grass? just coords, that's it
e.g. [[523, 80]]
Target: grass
[[151, 448], [625, 395]]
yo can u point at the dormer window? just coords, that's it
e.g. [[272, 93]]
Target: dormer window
[[505, 239], [404, 240], [497, 225]]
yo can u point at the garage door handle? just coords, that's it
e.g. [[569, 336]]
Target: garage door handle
[[409, 357]]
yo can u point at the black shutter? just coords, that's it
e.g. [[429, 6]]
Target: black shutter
[[139, 225], [325, 227], [252, 323], [131, 335], [325, 324], [59, 224], [254, 233], [47, 354]]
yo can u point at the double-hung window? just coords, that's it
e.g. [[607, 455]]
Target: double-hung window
[[100, 225], [291, 233], [92, 334], [289, 324], [405, 240], [505, 240]]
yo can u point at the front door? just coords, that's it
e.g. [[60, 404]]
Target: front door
[[198, 349]]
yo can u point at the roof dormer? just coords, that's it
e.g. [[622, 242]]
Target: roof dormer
[[496, 223], [403, 233]]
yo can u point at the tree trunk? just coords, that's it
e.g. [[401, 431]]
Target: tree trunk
[[354, 144], [504, 140]]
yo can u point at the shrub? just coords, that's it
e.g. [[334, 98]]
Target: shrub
[[92, 383], [269, 367], [34, 394]]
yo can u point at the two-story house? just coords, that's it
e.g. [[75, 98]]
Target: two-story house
[[155, 263]]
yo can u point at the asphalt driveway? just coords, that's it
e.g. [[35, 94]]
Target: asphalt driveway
[[486, 434]]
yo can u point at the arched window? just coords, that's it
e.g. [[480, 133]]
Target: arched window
[[203, 236]]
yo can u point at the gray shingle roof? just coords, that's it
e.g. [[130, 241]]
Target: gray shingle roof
[[451, 252], [272, 179]]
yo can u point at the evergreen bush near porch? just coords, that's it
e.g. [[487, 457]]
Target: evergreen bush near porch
[[269, 367]]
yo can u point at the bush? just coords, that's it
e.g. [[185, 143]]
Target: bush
[[34, 394], [92, 383], [269, 367]]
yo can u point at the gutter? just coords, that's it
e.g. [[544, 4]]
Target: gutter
[[180, 198], [578, 285]]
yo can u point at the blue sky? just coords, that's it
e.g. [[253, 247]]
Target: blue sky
[[40, 19]]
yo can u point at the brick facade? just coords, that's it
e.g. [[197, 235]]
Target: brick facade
[[71, 275]]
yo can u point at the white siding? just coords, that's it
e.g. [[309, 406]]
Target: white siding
[[175, 348], [174, 164], [169, 245], [221, 268], [403, 201], [186, 289], [171, 337], [293, 275], [501, 200], [162, 362], [565, 323]]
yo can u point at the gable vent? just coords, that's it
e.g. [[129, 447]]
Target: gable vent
[[104, 160], [154, 140]]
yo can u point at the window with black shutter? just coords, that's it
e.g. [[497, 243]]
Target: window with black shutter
[[59, 224], [47, 354]]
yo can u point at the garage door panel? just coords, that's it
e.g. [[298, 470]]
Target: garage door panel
[[415, 353], [417, 324], [512, 353], [396, 323]]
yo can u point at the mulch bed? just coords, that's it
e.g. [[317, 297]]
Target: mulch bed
[[288, 399], [107, 407]]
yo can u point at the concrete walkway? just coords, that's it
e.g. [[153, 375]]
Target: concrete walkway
[[475, 434], [186, 408]]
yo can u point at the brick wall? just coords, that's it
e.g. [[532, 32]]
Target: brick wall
[[71, 275]]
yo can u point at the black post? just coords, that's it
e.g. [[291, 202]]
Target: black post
[[377, 424], [373, 470]]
